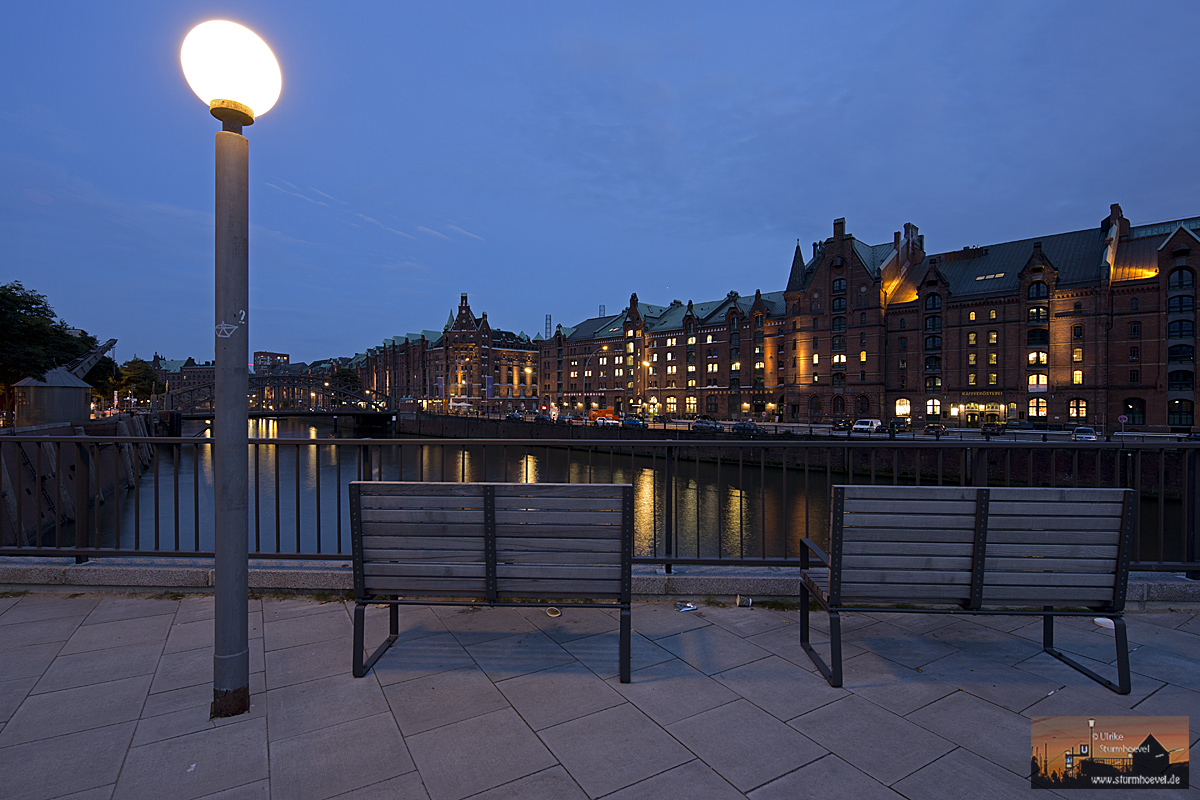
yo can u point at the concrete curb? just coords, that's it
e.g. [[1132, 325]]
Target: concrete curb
[[1146, 590]]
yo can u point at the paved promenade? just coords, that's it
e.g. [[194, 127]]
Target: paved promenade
[[105, 696]]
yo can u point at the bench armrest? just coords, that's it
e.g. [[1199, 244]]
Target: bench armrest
[[816, 550]]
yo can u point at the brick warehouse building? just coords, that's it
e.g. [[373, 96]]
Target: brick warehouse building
[[466, 364], [1064, 329]]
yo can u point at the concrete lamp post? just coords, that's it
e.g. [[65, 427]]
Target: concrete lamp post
[[235, 73]]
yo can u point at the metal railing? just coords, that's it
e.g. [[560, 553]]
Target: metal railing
[[697, 501]]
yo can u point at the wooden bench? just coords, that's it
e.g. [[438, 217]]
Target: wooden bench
[[494, 544], [982, 550]]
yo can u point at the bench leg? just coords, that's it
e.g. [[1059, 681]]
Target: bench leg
[[625, 643], [359, 668], [832, 674], [1122, 640]]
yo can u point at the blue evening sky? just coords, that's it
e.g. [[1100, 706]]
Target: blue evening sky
[[549, 157]]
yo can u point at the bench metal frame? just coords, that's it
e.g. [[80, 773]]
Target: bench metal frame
[[494, 587], [831, 600]]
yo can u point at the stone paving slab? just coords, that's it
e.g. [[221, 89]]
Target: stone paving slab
[[105, 697]]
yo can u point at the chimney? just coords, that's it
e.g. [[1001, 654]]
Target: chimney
[[839, 229], [896, 241]]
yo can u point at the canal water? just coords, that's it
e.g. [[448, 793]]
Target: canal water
[[299, 496]]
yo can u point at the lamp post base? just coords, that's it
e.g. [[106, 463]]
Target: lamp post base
[[229, 702]]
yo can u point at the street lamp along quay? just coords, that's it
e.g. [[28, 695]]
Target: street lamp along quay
[[232, 70]]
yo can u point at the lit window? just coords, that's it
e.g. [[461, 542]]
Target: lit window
[[839, 360], [1037, 357], [1077, 354], [1036, 381], [672, 342], [691, 367], [671, 370], [1037, 408], [691, 340], [993, 337], [712, 367], [760, 365], [971, 340], [708, 339], [991, 379], [971, 359], [1077, 377], [670, 356], [903, 408], [817, 358], [1077, 410], [971, 379], [993, 358], [992, 314], [862, 356], [933, 408], [971, 317]]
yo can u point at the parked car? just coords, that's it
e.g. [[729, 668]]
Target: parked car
[[514, 416], [993, 428], [566, 419], [747, 429], [542, 418], [935, 429], [1083, 434], [606, 421], [900, 424], [633, 422], [867, 425], [842, 425], [707, 425]]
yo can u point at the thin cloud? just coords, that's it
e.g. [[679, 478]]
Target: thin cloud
[[329, 196], [457, 229], [374, 221], [423, 229], [297, 194]]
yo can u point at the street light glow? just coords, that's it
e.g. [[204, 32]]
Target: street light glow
[[225, 61]]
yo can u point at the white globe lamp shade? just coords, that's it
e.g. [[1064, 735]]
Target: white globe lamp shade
[[229, 67]]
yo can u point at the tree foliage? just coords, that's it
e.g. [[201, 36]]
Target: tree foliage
[[33, 340], [137, 377], [348, 378]]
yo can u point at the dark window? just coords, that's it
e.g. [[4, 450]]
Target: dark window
[[862, 318], [1135, 409], [1135, 330], [839, 380], [1038, 291], [902, 344], [1077, 332], [1181, 329], [1133, 304], [1180, 413], [839, 324], [1184, 304], [1079, 306], [903, 324], [862, 376], [1135, 353], [839, 285], [815, 340], [1181, 354], [838, 305], [1037, 337], [933, 364], [1180, 380], [838, 343], [933, 303], [933, 324], [1134, 376], [933, 384], [933, 343], [1181, 279]]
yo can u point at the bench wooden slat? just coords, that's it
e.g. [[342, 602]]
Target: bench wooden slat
[[1054, 509], [514, 517], [511, 544], [592, 590], [880, 536], [569, 490], [1048, 579], [558, 557], [922, 562], [898, 593], [407, 586], [421, 501], [422, 515], [371, 530], [420, 539], [592, 504], [938, 493], [1015, 494], [423, 570], [998, 524], [568, 572], [908, 548], [1052, 550], [423, 554], [1051, 564], [1028, 537], [950, 508], [923, 577], [915, 521], [1046, 595], [580, 531], [426, 488]]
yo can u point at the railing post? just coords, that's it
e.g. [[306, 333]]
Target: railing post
[[1192, 533], [81, 497], [669, 505], [979, 467]]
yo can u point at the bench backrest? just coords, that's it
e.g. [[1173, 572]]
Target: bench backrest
[[492, 541], [980, 546]]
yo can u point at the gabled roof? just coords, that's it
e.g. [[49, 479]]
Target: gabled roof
[[874, 256], [59, 377]]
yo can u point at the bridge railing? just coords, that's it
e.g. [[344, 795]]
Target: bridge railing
[[697, 501]]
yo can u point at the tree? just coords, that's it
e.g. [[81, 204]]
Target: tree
[[34, 340], [137, 377], [348, 378]]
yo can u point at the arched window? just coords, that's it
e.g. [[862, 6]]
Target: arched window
[[903, 407], [903, 324], [902, 344], [814, 408], [933, 324], [1037, 408], [933, 409], [1077, 354], [1181, 354], [1077, 332], [933, 343], [1079, 306], [1180, 380], [1038, 291], [795, 310], [1077, 410], [1135, 410], [839, 324], [838, 305], [1037, 337], [1133, 304], [993, 337], [839, 285], [1181, 279], [933, 364], [839, 406], [1036, 381], [1183, 304], [933, 303], [1180, 413], [1181, 329], [933, 384]]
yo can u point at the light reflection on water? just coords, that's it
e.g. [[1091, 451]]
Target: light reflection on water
[[718, 511]]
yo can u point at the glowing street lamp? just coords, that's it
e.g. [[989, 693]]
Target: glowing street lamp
[[235, 73]]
